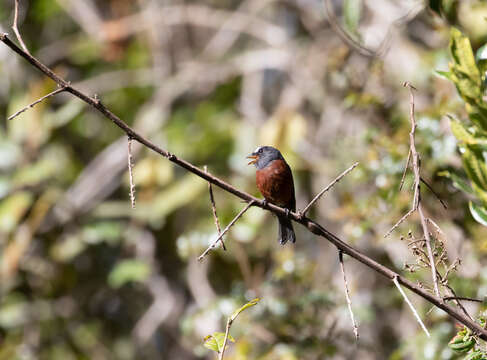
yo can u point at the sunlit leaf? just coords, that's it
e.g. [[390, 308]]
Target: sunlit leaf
[[215, 341], [246, 306], [478, 212], [475, 167], [457, 181]]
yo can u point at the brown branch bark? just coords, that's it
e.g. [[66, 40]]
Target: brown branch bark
[[309, 224]]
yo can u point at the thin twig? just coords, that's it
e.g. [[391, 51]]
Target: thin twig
[[131, 175], [57, 91], [399, 222], [417, 180], [213, 208], [213, 244], [405, 170], [309, 224], [449, 298], [328, 188], [434, 192], [347, 295], [16, 29], [416, 315]]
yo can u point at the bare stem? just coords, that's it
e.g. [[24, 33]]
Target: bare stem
[[347, 295], [131, 175], [213, 244], [411, 306], [31, 105], [339, 177], [213, 208]]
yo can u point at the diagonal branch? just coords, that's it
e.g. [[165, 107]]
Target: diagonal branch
[[31, 105], [309, 224], [316, 198], [219, 238], [411, 306]]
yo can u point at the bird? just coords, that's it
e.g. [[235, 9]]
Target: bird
[[274, 180]]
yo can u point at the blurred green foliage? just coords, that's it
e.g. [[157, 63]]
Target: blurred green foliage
[[84, 276]]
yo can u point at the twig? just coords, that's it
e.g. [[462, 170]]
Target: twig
[[213, 208], [417, 179], [417, 190], [31, 105], [347, 295], [310, 225], [16, 29], [416, 315], [449, 298], [213, 244], [131, 175], [399, 222], [328, 188], [405, 170], [434, 193]]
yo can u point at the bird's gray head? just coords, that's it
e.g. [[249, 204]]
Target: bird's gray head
[[263, 155]]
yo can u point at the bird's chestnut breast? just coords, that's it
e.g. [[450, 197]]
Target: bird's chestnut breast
[[275, 182]]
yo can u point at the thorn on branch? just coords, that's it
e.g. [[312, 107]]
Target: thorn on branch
[[347, 295], [131, 175], [31, 105], [213, 208], [411, 306]]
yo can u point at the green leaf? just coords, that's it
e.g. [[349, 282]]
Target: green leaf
[[445, 74], [457, 181], [246, 306], [215, 341], [462, 53], [128, 270], [461, 132], [478, 212], [475, 167]]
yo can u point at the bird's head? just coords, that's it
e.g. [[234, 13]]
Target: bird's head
[[263, 155]]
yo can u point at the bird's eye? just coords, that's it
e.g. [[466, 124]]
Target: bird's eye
[[260, 151]]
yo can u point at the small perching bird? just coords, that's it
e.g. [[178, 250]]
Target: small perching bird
[[274, 180]]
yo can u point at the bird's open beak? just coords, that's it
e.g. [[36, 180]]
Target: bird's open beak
[[253, 157]]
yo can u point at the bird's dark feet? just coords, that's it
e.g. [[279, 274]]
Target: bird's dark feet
[[264, 203]]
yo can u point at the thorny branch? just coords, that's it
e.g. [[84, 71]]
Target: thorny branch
[[312, 226], [316, 198], [220, 236]]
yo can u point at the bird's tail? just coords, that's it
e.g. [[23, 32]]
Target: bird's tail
[[286, 231]]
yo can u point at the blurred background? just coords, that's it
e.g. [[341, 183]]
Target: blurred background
[[85, 276]]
